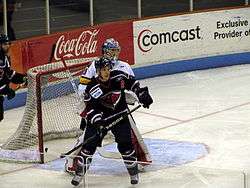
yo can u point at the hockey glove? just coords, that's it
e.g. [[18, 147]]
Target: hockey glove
[[11, 94], [144, 97], [83, 124], [101, 129]]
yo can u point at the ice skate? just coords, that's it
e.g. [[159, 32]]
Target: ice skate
[[134, 179], [77, 179]]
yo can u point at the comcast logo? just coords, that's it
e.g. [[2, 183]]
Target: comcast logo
[[147, 39]]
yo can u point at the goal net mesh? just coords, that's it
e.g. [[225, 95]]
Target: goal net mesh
[[49, 87]]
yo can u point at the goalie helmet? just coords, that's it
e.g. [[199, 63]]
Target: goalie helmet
[[103, 62], [4, 39], [111, 49]]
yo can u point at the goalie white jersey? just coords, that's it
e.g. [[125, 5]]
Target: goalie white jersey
[[91, 72]]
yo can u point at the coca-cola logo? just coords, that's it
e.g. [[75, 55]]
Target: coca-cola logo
[[85, 43]]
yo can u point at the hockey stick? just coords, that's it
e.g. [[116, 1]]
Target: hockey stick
[[90, 139]]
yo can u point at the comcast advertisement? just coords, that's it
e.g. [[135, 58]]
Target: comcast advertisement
[[193, 35]]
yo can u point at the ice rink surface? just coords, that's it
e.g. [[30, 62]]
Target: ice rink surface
[[208, 107]]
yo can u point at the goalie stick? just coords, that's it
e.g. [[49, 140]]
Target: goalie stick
[[96, 135]]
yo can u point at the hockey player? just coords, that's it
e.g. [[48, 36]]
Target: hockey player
[[105, 97], [110, 50], [7, 75]]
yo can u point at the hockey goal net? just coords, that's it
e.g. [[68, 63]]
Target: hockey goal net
[[50, 112]]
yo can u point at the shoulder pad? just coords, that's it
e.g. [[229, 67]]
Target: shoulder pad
[[118, 74], [84, 80]]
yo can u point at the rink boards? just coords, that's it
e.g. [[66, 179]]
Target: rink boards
[[155, 46]]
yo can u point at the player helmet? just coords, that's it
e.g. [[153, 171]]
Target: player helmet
[[103, 62], [4, 39], [111, 49]]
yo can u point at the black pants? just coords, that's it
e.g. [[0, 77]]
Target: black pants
[[1, 108], [121, 131]]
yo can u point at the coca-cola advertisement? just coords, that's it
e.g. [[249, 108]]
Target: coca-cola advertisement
[[84, 44], [81, 44]]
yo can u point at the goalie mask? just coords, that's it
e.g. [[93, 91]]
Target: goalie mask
[[111, 49]]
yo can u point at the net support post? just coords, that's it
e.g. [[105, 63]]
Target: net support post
[[39, 117]]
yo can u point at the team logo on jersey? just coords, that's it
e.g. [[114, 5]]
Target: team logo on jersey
[[111, 99], [96, 92]]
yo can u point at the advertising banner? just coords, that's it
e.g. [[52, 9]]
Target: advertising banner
[[81, 44], [192, 35]]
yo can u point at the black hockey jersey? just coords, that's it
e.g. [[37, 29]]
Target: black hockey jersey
[[104, 99], [8, 75]]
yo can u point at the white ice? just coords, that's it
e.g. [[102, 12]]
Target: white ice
[[209, 106]]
